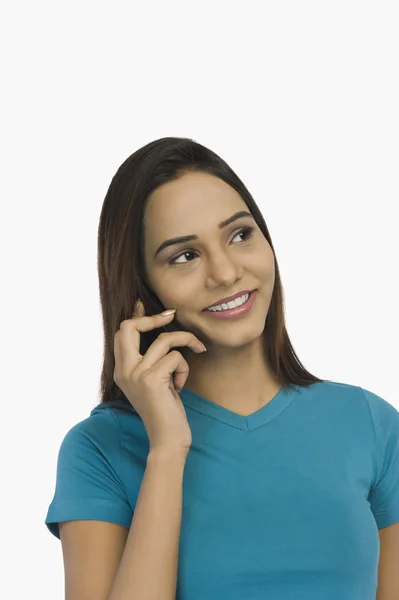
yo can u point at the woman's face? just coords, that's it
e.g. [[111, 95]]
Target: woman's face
[[220, 262]]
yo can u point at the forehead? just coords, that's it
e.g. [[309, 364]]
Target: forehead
[[193, 201]]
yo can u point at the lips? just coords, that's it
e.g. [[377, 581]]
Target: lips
[[229, 299]]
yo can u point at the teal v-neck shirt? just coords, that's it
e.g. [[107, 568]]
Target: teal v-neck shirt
[[284, 503]]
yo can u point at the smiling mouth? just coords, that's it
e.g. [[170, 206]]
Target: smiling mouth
[[236, 311], [220, 303]]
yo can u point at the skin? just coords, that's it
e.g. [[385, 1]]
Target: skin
[[234, 372]]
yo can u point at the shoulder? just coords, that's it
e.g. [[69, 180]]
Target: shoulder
[[356, 395], [91, 475], [379, 407], [343, 397], [99, 433], [356, 406]]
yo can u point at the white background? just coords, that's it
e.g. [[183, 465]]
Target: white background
[[300, 98]]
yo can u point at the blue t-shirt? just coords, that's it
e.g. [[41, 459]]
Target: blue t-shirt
[[284, 503]]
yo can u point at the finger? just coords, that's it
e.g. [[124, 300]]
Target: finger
[[164, 342], [128, 338], [174, 368], [139, 310]]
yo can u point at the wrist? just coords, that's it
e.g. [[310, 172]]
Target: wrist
[[165, 455]]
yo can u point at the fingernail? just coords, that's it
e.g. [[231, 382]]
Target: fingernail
[[168, 312]]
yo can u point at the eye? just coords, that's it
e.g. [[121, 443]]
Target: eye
[[247, 231]]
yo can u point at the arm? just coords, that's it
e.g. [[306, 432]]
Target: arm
[[388, 566], [148, 568]]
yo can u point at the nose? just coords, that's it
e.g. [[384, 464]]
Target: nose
[[223, 271]]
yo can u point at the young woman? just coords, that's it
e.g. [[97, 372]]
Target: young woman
[[231, 472]]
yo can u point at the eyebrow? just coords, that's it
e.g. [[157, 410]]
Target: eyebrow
[[187, 238]]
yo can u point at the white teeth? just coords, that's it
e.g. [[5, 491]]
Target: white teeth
[[232, 304]]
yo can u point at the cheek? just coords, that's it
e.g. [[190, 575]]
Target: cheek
[[267, 275], [176, 296], [265, 262]]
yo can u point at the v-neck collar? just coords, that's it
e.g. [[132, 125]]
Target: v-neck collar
[[260, 417]]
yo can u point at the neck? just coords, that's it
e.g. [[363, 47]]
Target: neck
[[239, 379]]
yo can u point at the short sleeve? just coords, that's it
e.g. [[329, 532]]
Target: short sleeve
[[89, 479], [384, 492]]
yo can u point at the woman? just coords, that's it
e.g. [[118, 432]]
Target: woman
[[229, 472]]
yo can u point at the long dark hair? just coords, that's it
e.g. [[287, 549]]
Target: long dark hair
[[121, 270]]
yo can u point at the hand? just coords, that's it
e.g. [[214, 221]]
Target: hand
[[147, 381]]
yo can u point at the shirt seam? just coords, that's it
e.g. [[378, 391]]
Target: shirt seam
[[375, 439], [121, 451]]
